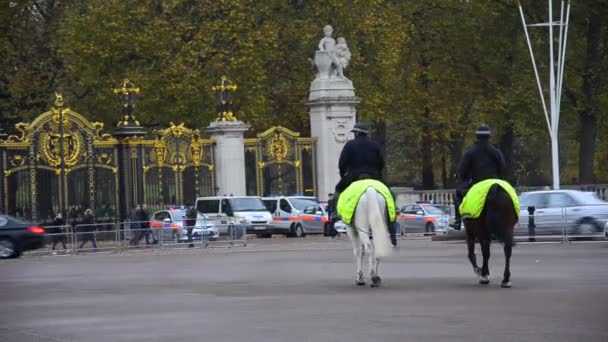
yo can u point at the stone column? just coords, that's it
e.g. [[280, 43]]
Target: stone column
[[332, 108], [229, 156]]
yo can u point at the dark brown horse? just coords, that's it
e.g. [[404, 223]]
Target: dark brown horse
[[498, 218]]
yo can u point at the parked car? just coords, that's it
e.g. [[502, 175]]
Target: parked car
[[424, 218], [172, 224], [232, 213], [557, 211], [296, 216], [17, 237]]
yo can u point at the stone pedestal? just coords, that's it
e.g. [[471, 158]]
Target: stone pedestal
[[332, 109], [229, 156]]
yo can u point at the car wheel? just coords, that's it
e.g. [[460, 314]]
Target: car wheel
[[326, 229], [429, 228], [587, 227], [8, 249], [299, 231]]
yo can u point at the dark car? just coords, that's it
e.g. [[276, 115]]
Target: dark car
[[17, 237]]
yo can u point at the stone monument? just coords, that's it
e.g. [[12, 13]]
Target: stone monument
[[229, 151], [332, 107]]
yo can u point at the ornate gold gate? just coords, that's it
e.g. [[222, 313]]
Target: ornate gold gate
[[177, 167], [60, 162], [280, 162]]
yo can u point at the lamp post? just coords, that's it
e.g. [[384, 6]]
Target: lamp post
[[59, 106], [556, 77], [131, 169], [128, 96], [225, 94]]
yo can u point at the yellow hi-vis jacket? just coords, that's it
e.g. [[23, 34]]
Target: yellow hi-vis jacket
[[473, 202], [348, 200]]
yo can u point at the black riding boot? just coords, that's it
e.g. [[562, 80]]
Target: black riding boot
[[335, 217]]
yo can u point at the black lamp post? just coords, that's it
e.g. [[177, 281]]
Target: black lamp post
[[225, 94], [128, 96], [131, 174], [59, 106]]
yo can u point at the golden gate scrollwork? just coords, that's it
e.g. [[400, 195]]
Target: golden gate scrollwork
[[178, 166], [280, 162], [59, 162]]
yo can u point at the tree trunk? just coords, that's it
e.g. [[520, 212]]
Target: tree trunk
[[587, 147], [506, 146], [590, 88], [379, 135], [428, 177]]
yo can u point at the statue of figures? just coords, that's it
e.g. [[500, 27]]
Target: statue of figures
[[343, 52], [328, 44]]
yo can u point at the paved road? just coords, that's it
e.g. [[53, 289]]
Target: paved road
[[302, 290]]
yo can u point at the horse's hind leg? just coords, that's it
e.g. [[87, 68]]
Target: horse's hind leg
[[485, 269], [506, 280], [472, 256], [358, 253], [373, 265]]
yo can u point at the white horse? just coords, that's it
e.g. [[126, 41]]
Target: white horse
[[370, 217]]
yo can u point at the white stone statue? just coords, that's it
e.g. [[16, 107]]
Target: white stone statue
[[336, 56]]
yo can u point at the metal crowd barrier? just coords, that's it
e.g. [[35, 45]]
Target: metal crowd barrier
[[131, 235], [562, 224], [419, 232], [97, 237]]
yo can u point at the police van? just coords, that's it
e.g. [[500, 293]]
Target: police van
[[296, 216], [231, 212]]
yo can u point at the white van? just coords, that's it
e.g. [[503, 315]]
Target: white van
[[297, 216], [237, 210]]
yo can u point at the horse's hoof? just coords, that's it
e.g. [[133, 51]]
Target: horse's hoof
[[360, 283], [484, 280], [376, 281], [506, 284]]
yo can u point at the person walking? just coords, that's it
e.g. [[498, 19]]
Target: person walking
[[88, 228], [190, 222], [481, 161], [331, 213], [57, 232]]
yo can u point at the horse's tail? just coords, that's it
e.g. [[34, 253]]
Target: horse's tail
[[377, 221], [498, 208]]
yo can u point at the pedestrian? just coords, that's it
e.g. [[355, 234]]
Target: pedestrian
[[481, 161], [88, 228], [144, 218], [190, 221], [57, 231], [394, 225], [331, 212]]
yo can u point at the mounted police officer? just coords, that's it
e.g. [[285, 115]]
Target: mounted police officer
[[481, 161], [361, 158]]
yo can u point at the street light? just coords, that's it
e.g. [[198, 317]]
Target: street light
[[556, 77], [59, 105], [225, 94], [128, 96]]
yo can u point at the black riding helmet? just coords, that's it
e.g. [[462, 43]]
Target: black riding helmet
[[483, 131], [360, 128]]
